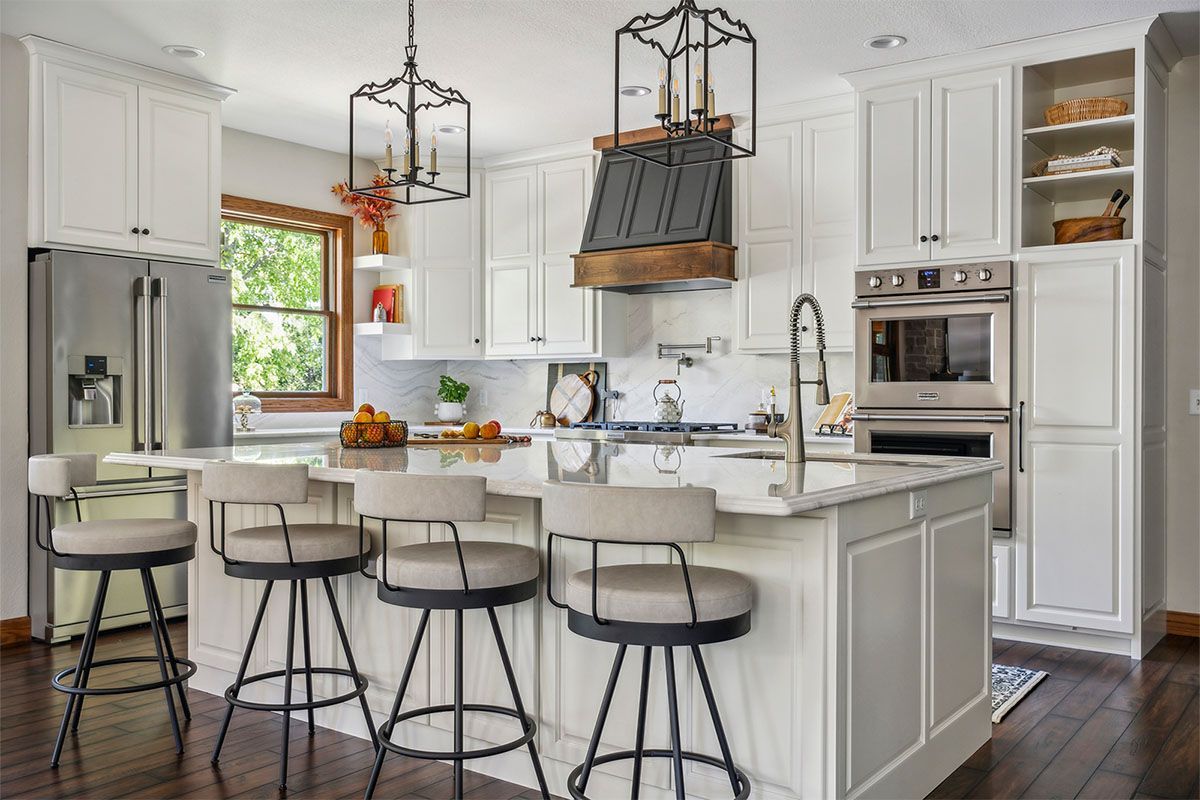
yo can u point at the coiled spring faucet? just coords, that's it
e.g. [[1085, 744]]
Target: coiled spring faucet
[[791, 430]]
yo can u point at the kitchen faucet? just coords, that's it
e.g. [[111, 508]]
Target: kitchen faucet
[[791, 430]]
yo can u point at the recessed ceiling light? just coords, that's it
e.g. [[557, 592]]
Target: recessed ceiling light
[[452, 130], [183, 51], [886, 42], [635, 91]]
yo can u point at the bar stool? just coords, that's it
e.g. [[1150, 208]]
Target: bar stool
[[292, 553], [104, 546], [652, 605], [453, 575]]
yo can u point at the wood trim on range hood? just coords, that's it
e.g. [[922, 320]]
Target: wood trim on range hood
[[724, 124], [666, 268]]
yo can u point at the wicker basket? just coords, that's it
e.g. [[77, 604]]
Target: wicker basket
[[1084, 108], [374, 434]]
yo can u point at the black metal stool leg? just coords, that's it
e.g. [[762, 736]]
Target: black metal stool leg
[[162, 661], [716, 719], [601, 717], [458, 702], [241, 675], [512, 684], [358, 679], [673, 709], [102, 588], [640, 737], [288, 663], [312, 728], [162, 625], [404, 678], [89, 636]]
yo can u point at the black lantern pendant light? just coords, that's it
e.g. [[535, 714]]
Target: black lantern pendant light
[[416, 99], [685, 37]]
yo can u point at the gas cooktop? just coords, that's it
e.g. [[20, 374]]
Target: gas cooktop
[[644, 432]]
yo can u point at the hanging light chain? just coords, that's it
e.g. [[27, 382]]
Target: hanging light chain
[[411, 24]]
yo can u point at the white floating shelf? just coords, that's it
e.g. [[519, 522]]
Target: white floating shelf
[[381, 263], [1095, 184], [1116, 123], [382, 329], [1079, 137]]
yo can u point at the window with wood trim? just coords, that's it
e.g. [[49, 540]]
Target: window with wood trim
[[292, 303]]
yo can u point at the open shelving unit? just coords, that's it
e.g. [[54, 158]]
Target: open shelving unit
[[1049, 198]]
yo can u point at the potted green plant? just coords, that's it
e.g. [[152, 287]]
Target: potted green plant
[[453, 395]]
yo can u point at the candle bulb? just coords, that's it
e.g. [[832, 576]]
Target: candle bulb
[[416, 147], [387, 140], [675, 99], [433, 153], [662, 90], [699, 96], [712, 98], [407, 147]]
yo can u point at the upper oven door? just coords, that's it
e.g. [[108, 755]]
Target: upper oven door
[[940, 351]]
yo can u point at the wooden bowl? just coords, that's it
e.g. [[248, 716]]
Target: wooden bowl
[[1088, 229]]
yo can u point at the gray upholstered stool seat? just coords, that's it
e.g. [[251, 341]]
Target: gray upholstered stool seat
[[310, 542], [434, 565], [656, 593], [116, 536]]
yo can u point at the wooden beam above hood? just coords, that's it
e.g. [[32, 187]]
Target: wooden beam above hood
[[663, 268], [724, 124]]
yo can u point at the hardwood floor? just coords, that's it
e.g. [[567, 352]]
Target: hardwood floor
[[1098, 727]]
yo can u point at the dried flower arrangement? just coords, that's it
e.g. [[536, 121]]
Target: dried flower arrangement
[[373, 214]]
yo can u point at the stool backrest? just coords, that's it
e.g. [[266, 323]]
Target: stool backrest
[[629, 514], [54, 475], [268, 484], [419, 498]]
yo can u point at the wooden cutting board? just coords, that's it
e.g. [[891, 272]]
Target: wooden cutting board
[[572, 398], [421, 441], [556, 370]]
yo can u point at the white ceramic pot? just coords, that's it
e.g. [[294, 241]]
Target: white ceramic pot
[[449, 412]]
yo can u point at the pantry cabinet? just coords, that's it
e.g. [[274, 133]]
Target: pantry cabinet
[[795, 223], [935, 168], [122, 158], [534, 218]]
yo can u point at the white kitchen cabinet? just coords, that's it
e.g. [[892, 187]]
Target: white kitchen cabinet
[[1001, 581], [123, 158], [935, 169], [534, 221], [795, 223], [1073, 522]]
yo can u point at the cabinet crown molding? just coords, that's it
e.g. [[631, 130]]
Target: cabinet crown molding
[[58, 51]]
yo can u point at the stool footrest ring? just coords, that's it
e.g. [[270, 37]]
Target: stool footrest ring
[[623, 755], [360, 688], [189, 671], [385, 733]]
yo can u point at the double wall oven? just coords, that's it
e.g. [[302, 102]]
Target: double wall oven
[[933, 365]]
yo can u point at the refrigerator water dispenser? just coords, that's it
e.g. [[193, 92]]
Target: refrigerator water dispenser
[[94, 391]]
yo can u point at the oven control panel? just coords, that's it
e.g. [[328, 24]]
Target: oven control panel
[[898, 280]]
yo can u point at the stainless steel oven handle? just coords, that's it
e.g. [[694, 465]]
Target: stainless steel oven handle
[[996, 418], [930, 301], [1021, 436], [160, 293], [142, 301]]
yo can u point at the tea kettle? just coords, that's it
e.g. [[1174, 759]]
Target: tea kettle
[[543, 419], [668, 407]]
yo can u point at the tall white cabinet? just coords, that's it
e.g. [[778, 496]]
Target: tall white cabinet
[[123, 158], [795, 229]]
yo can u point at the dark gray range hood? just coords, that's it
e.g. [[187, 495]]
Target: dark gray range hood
[[653, 229]]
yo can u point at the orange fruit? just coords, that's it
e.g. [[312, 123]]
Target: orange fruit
[[367, 407], [349, 435], [490, 454], [395, 432], [489, 430], [373, 433], [470, 454], [382, 416], [363, 416], [499, 427], [471, 430]]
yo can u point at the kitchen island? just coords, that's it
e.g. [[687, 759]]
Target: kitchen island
[[866, 672]]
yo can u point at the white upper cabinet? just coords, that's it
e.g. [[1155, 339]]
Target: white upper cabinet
[[935, 169], [795, 228], [122, 158], [510, 290], [566, 321]]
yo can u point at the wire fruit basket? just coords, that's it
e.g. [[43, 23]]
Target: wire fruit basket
[[374, 434]]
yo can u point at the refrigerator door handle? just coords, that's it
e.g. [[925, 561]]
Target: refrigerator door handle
[[159, 292], [141, 303]]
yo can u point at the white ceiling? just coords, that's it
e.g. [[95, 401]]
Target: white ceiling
[[537, 72]]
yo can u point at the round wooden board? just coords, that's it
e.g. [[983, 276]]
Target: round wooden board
[[571, 399]]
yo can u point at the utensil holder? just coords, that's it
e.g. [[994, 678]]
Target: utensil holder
[[1088, 229]]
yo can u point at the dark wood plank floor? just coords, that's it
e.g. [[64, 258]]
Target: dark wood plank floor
[[1098, 727]]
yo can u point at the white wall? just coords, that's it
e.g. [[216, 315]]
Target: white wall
[[14, 104], [1183, 337]]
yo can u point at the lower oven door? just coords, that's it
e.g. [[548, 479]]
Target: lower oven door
[[983, 434]]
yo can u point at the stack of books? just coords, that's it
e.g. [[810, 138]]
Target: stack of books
[[1058, 166]]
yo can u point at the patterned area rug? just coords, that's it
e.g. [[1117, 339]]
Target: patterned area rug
[[1009, 687]]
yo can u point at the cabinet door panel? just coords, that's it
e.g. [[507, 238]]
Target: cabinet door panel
[[565, 191], [448, 305], [972, 164], [91, 159], [827, 226], [179, 154], [511, 299], [510, 202], [765, 286], [893, 174], [567, 314], [448, 233]]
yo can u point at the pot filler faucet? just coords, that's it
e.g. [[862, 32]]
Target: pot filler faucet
[[791, 430]]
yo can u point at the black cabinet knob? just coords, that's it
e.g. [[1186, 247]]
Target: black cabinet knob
[[924, 239], [476, 341], [933, 238], [133, 230], [533, 338], [145, 231]]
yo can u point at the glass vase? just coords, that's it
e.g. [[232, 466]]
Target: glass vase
[[379, 240]]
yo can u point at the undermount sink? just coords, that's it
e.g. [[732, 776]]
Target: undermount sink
[[843, 458]]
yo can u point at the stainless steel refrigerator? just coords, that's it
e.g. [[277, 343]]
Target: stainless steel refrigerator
[[124, 354]]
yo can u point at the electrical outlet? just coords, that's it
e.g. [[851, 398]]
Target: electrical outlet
[[1194, 402], [918, 503], [483, 397]]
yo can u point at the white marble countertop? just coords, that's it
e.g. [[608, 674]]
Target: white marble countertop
[[744, 485]]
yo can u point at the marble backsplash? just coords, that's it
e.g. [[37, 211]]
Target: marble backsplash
[[721, 387]]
